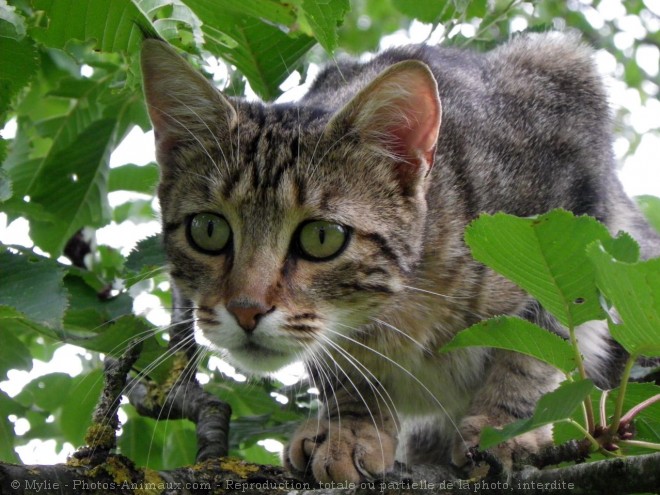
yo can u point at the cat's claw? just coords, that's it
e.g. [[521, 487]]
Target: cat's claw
[[350, 450], [506, 453]]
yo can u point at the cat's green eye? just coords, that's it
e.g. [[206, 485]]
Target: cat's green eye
[[208, 233], [319, 240]]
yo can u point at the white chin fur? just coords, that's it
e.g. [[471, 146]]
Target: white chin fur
[[256, 363]]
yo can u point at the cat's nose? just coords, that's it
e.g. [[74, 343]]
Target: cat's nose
[[248, 313]]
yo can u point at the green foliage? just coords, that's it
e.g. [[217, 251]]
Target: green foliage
[[32, 289], [323, 19], [170, 443], [634, 289], [69, 80], [569, 264], [514, 334], [550, 258], [551, 408], [650, 205], [141, 179], [146, 260]]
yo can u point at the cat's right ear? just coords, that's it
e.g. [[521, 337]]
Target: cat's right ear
[[183, 105]]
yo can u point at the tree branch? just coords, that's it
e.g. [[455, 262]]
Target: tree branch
[[101, 435], [182, 396], [118, 475], [188, 400]]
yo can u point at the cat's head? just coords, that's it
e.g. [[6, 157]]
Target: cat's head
[[289, 227]]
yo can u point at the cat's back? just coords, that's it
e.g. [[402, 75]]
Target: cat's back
[[531, 65], [525, 127]]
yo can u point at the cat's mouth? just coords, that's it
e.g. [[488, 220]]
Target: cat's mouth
[[253, 347], [255, 358]]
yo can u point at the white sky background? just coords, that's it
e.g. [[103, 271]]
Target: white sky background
[[640, 175]]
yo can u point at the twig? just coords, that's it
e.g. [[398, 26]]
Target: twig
[[185, 397], [101, 435], [572, 450]]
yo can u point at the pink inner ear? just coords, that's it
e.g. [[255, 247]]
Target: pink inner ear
[[416, 134]]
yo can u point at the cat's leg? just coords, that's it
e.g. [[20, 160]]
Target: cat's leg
[[354, 438], [512, 388]]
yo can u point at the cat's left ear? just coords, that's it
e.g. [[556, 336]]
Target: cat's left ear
[[398, 114]]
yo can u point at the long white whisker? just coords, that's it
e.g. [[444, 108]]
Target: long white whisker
[[321, 366], [388, 401], [362, 398], [322, 369], [376, 387], [180, 345], [390, 360], [401, 332], [444, 296]]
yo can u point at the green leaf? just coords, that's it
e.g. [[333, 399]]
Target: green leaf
[[41, 427], [3, 155], [76, 193], [180, 447], [34, 162], [5, 186], [650, 206], [135, 178], [564, 431], [14, 354], [324, 17], [555, 406], [114, 336], [8, 407], [259, 455], [546, 256], [356, 36], [515, 334], [434, 11], [245, 400], [33, 286], [261, 51], [12, 25], [112, 24], [646, 422], [476, 8], [635, 394], [18, 64], [146, 260], [142, 441], [275, 12], [634, 290], [47, 392], [75, 414], [136, 211], [88, 312]]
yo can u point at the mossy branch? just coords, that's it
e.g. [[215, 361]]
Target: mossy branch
[[628, 475]]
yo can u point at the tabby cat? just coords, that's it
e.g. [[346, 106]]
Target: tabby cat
[[330, 230]]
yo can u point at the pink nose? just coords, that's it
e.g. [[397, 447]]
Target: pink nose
[[248, 313]]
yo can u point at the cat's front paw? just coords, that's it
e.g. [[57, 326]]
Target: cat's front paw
[[341, 450], [507, 453]]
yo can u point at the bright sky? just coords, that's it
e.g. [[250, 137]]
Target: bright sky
[[640, 174]]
